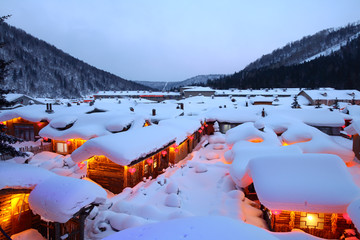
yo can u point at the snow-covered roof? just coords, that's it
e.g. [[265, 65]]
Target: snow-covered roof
[[13, 96], [199, 89], [87, 126], [239, 115], [182, 126], [195, 228], [19, 176], [331, 94], [58, 198], [303, 182], [261, 99], [353, 128], [135, 93], [260, 92], [126, 147], [313, 117]]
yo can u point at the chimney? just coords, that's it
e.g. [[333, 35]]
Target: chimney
[[49, 108], [154, 112]]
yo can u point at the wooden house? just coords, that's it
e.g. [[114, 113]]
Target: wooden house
[[16, 183], [329, 96], [354, 129], [298, 192], [69, 132], [24, 129], [64, 217], [123, 159]]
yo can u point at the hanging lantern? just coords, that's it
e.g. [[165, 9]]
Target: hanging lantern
[[163, 153], [45, 139], [202, 127], [39, 124], [81, 164], [206, 125], [200, 131], [176, 150], [276, 212], [68, 142], [149, 160], [132, 170], [191, 137]]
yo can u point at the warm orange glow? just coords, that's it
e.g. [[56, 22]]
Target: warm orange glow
[[256, 140], [285, 144], [309, 217]]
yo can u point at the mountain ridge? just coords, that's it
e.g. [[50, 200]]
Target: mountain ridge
[[41, 69]]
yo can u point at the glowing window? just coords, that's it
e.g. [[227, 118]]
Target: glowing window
[[61, 147]]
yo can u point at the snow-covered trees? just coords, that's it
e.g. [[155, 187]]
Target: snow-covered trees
[[5, 140]]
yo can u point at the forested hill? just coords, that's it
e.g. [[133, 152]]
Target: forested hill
[[307, 48], [340, 70], [40, 69]]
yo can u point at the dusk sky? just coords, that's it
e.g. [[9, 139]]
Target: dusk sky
[[169, 40]]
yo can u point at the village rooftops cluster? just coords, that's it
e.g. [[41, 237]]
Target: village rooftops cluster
[[119, 143]]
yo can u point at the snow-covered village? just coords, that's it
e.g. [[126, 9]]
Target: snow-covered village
[[170, 120]]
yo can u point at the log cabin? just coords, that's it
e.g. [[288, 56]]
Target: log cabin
[[124, 159], [298, 192], [16, 183]]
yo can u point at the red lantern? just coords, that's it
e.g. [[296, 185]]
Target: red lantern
[[68, 142], [191, 137], [132, 170], [276, 212], [45, 139], [206, 125], [202, 127], [346, 217], [176, 150], [163, 153], [149, 160], [81, 165], [200, 131], [39, 124]]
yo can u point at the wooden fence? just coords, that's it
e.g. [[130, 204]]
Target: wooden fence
[[33, 149]]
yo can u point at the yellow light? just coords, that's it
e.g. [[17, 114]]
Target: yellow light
[[309, 217], [285, 144]]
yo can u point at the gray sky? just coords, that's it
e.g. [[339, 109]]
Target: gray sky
[[171, 40]]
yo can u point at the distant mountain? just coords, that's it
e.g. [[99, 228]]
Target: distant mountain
[[40, 69], [340, 69], [308, 48], [198, 80], [329, 58]]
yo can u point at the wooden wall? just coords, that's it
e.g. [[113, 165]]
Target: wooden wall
[[19, 121], [281, 223], [356, 146], [15, 214], [72, 145]]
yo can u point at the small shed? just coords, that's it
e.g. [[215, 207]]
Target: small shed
[[16, 183], [63, 204], [354, 130], [123, 159], [310, 192]]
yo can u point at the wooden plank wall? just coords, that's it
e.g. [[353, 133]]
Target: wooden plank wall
[[10, 125], [280, 223], [10, 221]]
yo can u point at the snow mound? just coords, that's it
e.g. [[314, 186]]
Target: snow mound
[[63, 121], [121, 221], [172, 200], [217, 138], [200, 168], [212, 155], [237, 194], [218, 147], [195, 228], [29, 234], [172, 187], [58, 198]]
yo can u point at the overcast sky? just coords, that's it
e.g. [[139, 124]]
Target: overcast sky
[[172, 40]]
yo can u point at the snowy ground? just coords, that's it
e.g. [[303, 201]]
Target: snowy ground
[[199, 185]]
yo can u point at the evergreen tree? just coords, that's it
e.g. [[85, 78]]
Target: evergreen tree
[[5, 140]]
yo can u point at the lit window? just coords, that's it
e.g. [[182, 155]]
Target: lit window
[[61, 147]]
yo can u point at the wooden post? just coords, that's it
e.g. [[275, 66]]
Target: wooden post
[[57, 231], [82, 218], [356, 146]]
